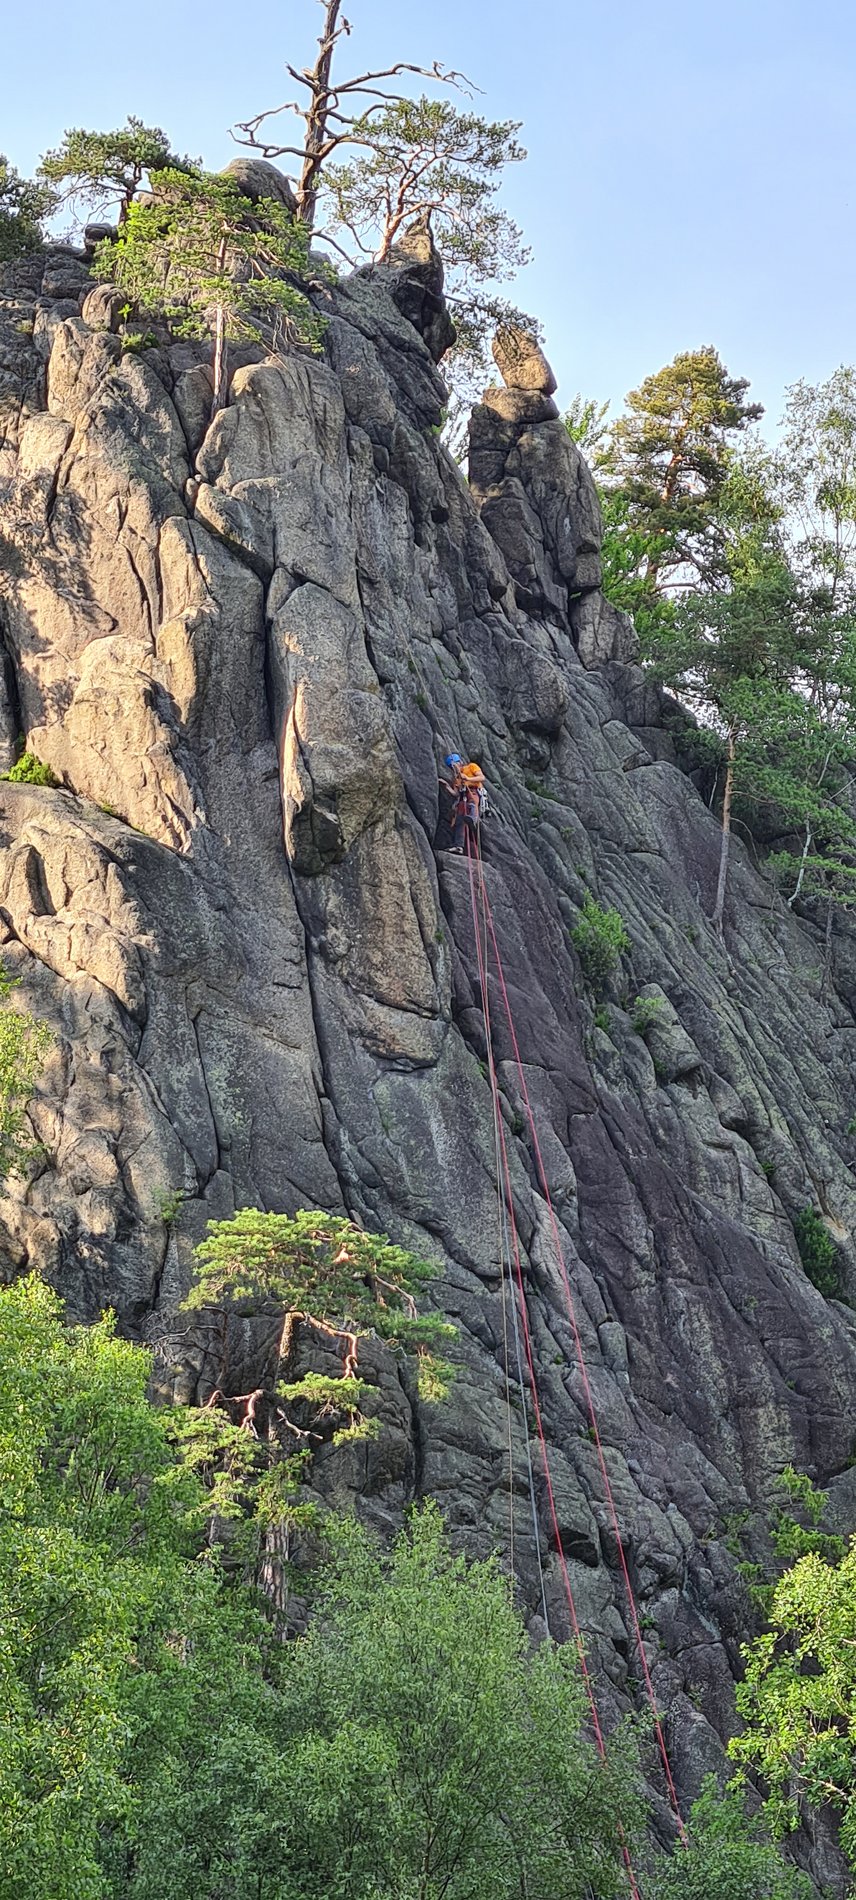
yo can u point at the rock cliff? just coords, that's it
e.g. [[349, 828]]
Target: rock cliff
[[244, 649]]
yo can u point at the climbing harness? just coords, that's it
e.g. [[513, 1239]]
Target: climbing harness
[[478, 882]]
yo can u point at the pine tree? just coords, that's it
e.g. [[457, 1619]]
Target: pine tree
[[103, 170], [670, 457], [213, 263]]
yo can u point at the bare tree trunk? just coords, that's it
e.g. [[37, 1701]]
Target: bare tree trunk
[[805, 851], [219, 370], [316, 117], [719, 906]]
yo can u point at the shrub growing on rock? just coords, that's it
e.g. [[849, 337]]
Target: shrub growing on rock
[[28, 770], [212, 262], [818, 1253], [600, 941]]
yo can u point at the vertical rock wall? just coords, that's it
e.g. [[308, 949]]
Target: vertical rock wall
[[244, 650]]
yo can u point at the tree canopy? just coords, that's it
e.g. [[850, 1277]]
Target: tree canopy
[[105, 170], [212, 262], [798, 1696], [738, 563], [150, 1719], [25, 203], [323, 1268], [670, 454]]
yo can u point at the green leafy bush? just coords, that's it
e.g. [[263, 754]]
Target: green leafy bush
[[646, 1010], [798, 1697], [600, 940], [818, 1253], [727, 1856], [28, 770]]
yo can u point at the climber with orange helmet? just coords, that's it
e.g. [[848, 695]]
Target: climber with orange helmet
[[470, 805]]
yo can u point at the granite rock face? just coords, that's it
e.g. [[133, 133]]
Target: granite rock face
[[244, 649]]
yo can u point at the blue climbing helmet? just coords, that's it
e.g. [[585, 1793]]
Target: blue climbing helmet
[[453, 758]]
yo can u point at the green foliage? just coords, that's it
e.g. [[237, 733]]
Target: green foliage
[[600, 940], [645, 1011], [409, 1744], [798, 1697], [670, 454], [24, 1045], [727, 1856], [627, 553], [792, 1537], [443, 1758], [150, 1722], [586, 422], [28, 770], [322, 1268], [818, 1253], [202, 248], [24, 206], [106, 169], [167, 1203], [119, 1646]]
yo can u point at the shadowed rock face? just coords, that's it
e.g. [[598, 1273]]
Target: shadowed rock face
[[244, 649]]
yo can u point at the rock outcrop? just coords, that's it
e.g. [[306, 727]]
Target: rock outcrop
[[537, 498], [244, 648]]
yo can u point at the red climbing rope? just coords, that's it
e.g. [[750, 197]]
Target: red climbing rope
[[578, 1346], [530, 1361]]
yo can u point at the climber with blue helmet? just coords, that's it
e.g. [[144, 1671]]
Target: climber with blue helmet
[[468, 800]]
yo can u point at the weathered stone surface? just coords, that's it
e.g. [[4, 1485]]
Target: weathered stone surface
[[520, 405], [95, 234], [258, 178], [262, 978], [101, 308], [602, 632], [521, 361], [413, 276], [538, 500]]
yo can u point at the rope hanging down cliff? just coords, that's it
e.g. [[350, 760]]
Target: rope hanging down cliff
[[476, 872], [530, 1361]]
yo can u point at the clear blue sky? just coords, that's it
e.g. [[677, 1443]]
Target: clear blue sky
[[692, 166]]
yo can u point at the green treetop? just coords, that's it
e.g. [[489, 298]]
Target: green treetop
[[24, 205], [212, 262], [424, 159], [105, 170], [798, 1697], [670, 455], [322, 1268]]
